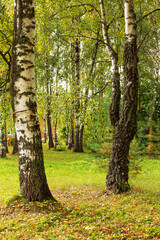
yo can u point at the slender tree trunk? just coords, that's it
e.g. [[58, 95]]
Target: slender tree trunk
[[33, 182], [116, 93], [77, 95], [67, 136], [15, 146], [3, 142], [45, 130], [125, 129], [76, 137], [5, 135], [49, 126], [55, 135], [71, 134], [81, 130], [56, 92], [156, 78]]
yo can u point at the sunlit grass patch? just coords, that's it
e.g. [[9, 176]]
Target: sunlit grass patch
[[148, 178]]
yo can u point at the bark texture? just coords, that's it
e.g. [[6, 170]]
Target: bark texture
[[125, 129], [33, 183]]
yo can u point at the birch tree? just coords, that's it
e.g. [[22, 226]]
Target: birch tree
[[125, 128], [33, 183]]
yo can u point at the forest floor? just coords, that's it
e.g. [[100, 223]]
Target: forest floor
[[85, 210]]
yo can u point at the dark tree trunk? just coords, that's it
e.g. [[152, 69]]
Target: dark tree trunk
[[55, 135], [76, 139], [5, 135], [77, 95], [45, 131], [49, 127], [67, 139], [71, 127], [3, 143], [67, 135], [15, 146], [125, 128], [81, 130], [71, 135]]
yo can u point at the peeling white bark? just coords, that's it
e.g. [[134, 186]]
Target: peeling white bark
[[130, 21], [106, 37], [23, 112], [33, 183]]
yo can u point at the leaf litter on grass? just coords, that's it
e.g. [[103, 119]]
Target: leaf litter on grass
[[84, 211]]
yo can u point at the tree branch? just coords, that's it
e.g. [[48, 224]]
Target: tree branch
[[143, 40], [101, 90], [146, 15], [4, 57]]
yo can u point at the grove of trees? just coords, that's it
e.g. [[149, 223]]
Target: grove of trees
[[89, 70]]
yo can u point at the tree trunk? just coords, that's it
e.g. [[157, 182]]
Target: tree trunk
[[67, 136], [125, 129], [76, 138], [55, 135], [49, 126], [15, 146], [71, 135], [77, 95], [81, 130], [56, 92], [33, 182], [5, 135], [3, 142], [71, 127], [45, 130]]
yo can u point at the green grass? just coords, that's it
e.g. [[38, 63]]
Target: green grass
[[85, 210]]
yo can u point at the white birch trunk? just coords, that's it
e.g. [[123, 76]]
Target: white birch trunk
[[33, 183]]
